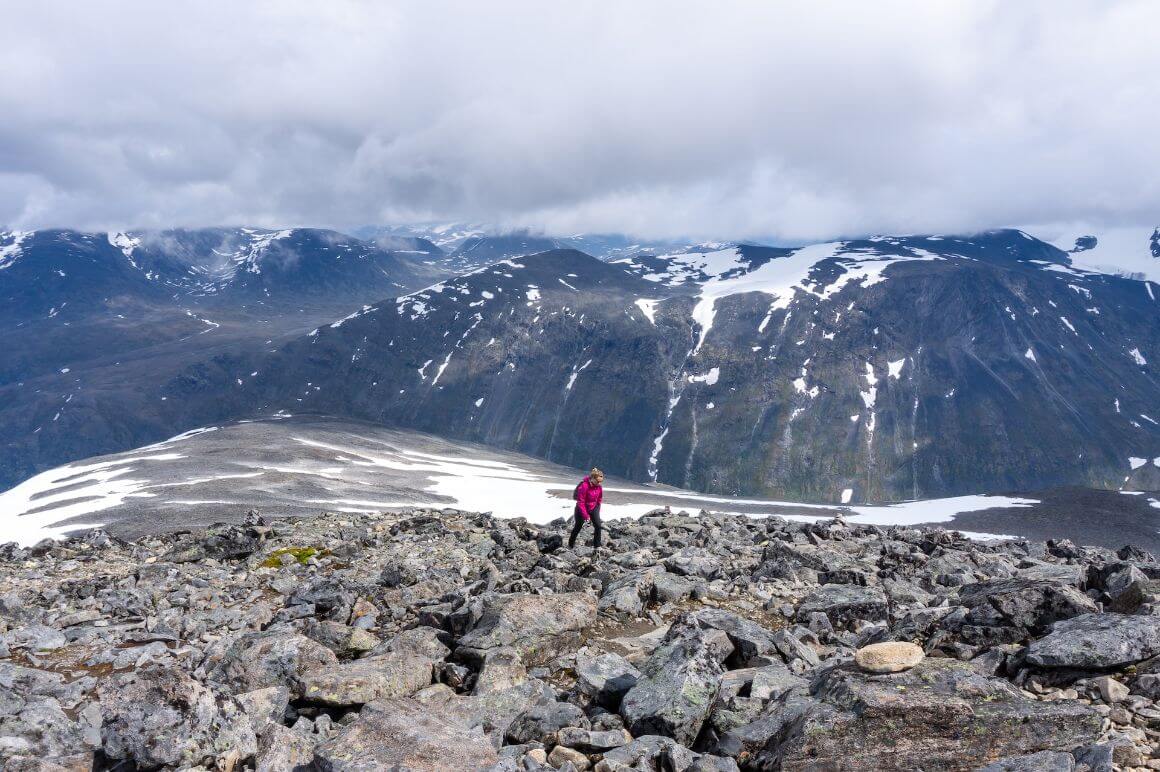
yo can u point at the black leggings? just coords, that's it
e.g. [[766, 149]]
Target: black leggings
[[579, 523]]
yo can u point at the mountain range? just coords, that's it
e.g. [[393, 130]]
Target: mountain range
[[864, 370]]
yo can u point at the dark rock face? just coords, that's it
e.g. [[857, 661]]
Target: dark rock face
[[940, 714], [441, 639], [1009, 610], [1098, 641]]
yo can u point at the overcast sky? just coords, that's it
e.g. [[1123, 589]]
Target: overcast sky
[[798, 121]]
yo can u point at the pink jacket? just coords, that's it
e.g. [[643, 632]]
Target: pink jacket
[[588, 497]]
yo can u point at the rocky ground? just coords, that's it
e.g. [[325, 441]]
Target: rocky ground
[[449, 640]]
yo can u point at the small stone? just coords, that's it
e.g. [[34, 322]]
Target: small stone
[[562, 754], [1111, 690], [888, 657], [1121, 716]]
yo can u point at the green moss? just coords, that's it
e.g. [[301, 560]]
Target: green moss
[[300, 554]]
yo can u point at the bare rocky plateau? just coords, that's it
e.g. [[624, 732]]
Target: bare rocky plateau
[[441, 639]]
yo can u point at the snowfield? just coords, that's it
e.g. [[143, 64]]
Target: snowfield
[[302, 466]]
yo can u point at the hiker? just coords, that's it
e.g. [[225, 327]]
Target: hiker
[[588, 495]]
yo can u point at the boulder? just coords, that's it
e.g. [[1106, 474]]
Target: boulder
[[157, 716], [394, 674], [604, 678], [670, 588], [491, 713], [264, 706], [1127, 587], [659, 752], [280, 748], [888, 657], [422, 641], [521, 621], [562, 755], [1010, 610], [940, 714], [343, 640], [1097, 642], [844, 603], [629, 593], [541, 723], [750, 640], [677, 686], [404, 734], [272, 658], [1044, 761], [592, 741], [502, 669], [773, 681], [694, 561]]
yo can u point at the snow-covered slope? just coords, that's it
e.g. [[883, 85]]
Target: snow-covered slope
[[1131, 252], [300, 466]]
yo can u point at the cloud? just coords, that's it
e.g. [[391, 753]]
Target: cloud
[[790, 120]]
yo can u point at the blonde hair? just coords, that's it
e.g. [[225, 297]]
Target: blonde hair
[[595, 472]]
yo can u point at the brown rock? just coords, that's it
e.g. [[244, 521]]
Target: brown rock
[[888, 657]]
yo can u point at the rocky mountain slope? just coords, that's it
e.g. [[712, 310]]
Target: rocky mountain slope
[[93, 322], [859, 371], [883, 369], [440, 639]]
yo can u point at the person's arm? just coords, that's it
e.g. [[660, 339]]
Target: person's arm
[[581, 497]]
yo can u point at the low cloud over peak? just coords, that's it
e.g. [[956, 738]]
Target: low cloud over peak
[[730, 119]]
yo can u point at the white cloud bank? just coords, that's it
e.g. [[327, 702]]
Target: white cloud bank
[[800, 121]]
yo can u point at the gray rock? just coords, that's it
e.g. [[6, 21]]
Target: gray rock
[[272, 658], [281, 749], [541, 723], [264, 706], [35, 638], [1097, 641], [791, 648], [670, 588], [1044, 761], [677, 686], [844, 603], [521, 621], [605, 678], [591, 741], [393, 674], [694, 561], [774, 681], [502, 669], [940, 714], [157, 717], [629, 593], [404, 734], [343, 640], [659, 752], [750, 640], [422, 641], [492, 713], [1010, 610]]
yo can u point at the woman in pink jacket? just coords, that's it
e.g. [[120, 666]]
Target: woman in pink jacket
[[588, 496]]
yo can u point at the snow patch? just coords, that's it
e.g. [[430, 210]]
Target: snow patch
[[649, 309], [709, 378]]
